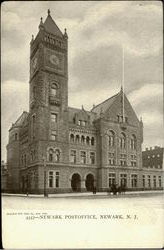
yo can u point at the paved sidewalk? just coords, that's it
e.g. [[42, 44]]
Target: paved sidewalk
[[88, 194]]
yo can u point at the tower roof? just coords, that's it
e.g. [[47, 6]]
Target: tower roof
[[51, 27]]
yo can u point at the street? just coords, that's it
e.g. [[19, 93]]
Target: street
[[82, 200]]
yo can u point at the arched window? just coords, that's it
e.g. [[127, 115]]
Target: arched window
[[133, 142], [111, 138], [57, 155], [71, 137], [54, 88], [77, 139], [122, 140], [16, 137], [50, 155], [92, 141], [82, 139], [87, 140]]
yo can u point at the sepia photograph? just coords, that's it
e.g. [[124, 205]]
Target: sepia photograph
[[82, 124]]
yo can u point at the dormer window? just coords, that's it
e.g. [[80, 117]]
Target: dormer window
[[121, 119], [82, 123]]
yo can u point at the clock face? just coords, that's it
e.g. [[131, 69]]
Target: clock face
[[54, 60]]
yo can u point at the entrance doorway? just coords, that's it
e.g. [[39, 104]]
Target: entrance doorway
[[89, 183], [76, 183]]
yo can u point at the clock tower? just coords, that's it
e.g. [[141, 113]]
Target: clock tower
[[49, 89]]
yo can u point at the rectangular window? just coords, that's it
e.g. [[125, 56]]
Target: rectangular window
[[159, 180], [57, 180], [133, 163], [83, 157], [143, 180], [154, 181], [53, 135], [51, 179], [111, 161], [112, 179], [92, 158], [123, 180], [134, 180], [73, 156], [111, 158], [122, 162], [53, 117], [149, 180]]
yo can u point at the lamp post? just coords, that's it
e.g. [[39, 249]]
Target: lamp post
[[45, 176]]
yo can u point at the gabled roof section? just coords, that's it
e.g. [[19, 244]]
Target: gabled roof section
[[20, 121], [73, 111], [102, 107], [51, 27]]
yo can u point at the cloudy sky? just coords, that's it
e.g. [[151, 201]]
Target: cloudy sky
[[97, 31]]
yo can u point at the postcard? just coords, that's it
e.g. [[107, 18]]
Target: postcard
[[82, 116]]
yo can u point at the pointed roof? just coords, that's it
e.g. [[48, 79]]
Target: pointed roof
[[112, 107], [102, 107], [51, 27], [19, 122]]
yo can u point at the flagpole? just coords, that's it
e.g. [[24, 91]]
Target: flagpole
[[123, 108]]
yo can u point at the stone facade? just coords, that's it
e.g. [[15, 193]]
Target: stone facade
[[4, 176], [56, 148]]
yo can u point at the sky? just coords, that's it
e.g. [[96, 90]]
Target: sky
[[97, 31]]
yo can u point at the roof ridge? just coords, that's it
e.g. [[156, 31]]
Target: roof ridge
[[79, 109]]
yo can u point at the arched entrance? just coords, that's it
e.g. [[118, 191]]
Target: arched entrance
[[89, 183], [76, 182]]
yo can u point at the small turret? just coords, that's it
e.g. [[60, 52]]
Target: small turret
[[32, 39], [41, 26], [48, 12], [65, 34]]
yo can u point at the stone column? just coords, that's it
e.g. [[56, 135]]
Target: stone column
[[83, 187]]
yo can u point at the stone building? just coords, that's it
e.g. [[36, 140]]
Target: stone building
[[56, 148], [152, 161]]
